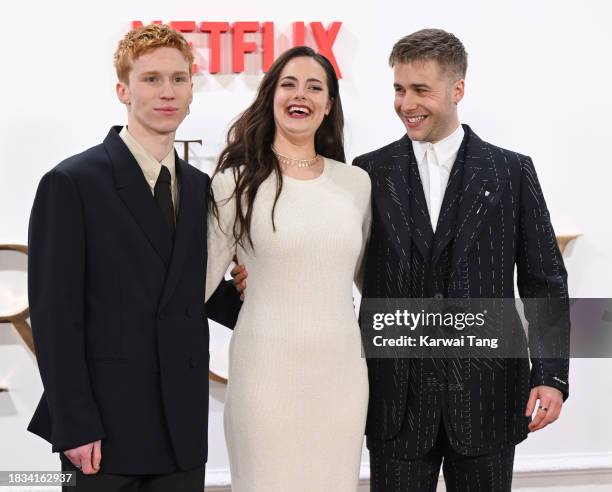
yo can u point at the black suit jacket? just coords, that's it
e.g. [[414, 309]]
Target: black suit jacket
[[118, 316], [493, 218]]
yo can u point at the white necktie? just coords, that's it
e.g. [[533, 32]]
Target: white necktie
[[435, 188]]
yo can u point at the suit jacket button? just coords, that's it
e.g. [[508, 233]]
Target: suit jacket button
[[193, 362], [438, 295]]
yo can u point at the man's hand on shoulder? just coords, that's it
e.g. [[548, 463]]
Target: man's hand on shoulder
[[87, 457], [549, 408], [239, 275]]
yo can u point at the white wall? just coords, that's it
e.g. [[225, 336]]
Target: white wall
[[538, 82]]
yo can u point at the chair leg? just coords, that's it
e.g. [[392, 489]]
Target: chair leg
[[25, 332], [214, 377]]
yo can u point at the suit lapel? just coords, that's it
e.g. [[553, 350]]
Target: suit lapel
[[190, 215], [480, 194], [420, 221], [400, 200], [390, 196], [134, 191], [447, 221]]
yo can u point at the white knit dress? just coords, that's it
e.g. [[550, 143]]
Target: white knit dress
[[297, 395]]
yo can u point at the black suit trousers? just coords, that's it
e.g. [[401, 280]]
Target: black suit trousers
[[178, 481]]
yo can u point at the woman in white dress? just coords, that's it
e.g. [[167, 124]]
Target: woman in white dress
[[298, 218]]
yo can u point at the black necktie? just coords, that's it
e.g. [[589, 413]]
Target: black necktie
[[163, 197]]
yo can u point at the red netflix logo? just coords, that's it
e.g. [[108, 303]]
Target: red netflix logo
[[323, 38]]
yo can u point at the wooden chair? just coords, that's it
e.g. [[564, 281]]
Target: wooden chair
[[13, 290]]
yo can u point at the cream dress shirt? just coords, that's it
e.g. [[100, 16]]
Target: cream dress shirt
[[150, 166]]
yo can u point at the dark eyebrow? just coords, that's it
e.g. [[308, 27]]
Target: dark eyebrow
[[414, 86], [291, 77]]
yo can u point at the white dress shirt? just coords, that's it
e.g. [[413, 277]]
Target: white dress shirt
[[435, 162]]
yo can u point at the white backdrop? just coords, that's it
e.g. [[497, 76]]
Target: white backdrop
[[538, 82]]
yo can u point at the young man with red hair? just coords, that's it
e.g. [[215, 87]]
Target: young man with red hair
[[116, 277]]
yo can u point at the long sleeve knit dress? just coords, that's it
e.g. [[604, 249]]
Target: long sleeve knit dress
[[297, 394]]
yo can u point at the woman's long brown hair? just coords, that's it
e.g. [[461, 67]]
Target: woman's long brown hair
[[248, 151]]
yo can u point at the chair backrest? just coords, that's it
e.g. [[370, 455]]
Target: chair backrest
[[13, 281]]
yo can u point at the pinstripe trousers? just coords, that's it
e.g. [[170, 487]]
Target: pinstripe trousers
[[485, 473]]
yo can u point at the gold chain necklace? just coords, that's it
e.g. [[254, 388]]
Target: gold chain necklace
[[288, 161]]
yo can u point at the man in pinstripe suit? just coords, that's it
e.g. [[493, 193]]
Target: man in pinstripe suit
[[452, 217]]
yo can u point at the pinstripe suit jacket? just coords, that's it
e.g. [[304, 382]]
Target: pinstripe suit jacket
[[493, 218]]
